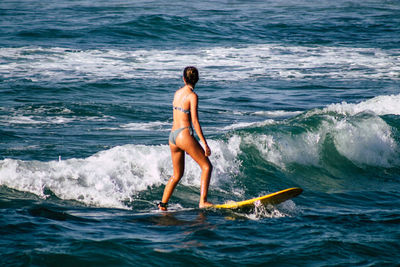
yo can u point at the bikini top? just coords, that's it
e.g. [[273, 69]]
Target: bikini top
[[187, 111]]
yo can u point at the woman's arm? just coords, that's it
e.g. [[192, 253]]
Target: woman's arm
[[196, 123]]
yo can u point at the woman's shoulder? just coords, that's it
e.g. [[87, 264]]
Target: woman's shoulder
[[179, 91], [193, 94], [182, 92]]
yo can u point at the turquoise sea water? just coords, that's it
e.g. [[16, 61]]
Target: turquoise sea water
[[292, 93]]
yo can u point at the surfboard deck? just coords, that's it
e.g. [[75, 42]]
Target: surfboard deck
[[272, 199]]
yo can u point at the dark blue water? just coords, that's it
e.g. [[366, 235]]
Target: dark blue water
[[292, 93]]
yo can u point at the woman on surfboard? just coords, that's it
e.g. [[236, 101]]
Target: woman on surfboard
[[181, 139]]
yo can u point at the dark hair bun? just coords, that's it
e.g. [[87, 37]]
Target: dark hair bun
[[191, 75]]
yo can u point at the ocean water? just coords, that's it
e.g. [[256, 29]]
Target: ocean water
[[292, 94]]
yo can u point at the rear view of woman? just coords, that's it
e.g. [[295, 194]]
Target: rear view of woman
[[181, 139]]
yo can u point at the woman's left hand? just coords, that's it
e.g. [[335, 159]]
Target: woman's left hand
[[207, 150]]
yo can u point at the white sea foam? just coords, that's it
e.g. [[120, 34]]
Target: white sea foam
[[367, 141], [111, 177], [260, 212], [40, 115], [278, 113], [145, 126], [380, 105], [32, 120], [218, 63], [105, 179], [242, 125]]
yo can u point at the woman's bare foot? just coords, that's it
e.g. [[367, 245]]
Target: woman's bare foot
[[162, 206], [205, 205]]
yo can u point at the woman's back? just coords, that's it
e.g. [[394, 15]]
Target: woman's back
[[181, 107]]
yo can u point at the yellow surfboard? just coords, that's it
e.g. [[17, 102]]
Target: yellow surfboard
[[273, 199]]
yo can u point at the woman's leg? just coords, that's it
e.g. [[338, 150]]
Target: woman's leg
[[188, 143], [178, 163]]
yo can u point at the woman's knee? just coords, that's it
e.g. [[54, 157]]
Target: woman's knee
[[207, 167], [176, 177]]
